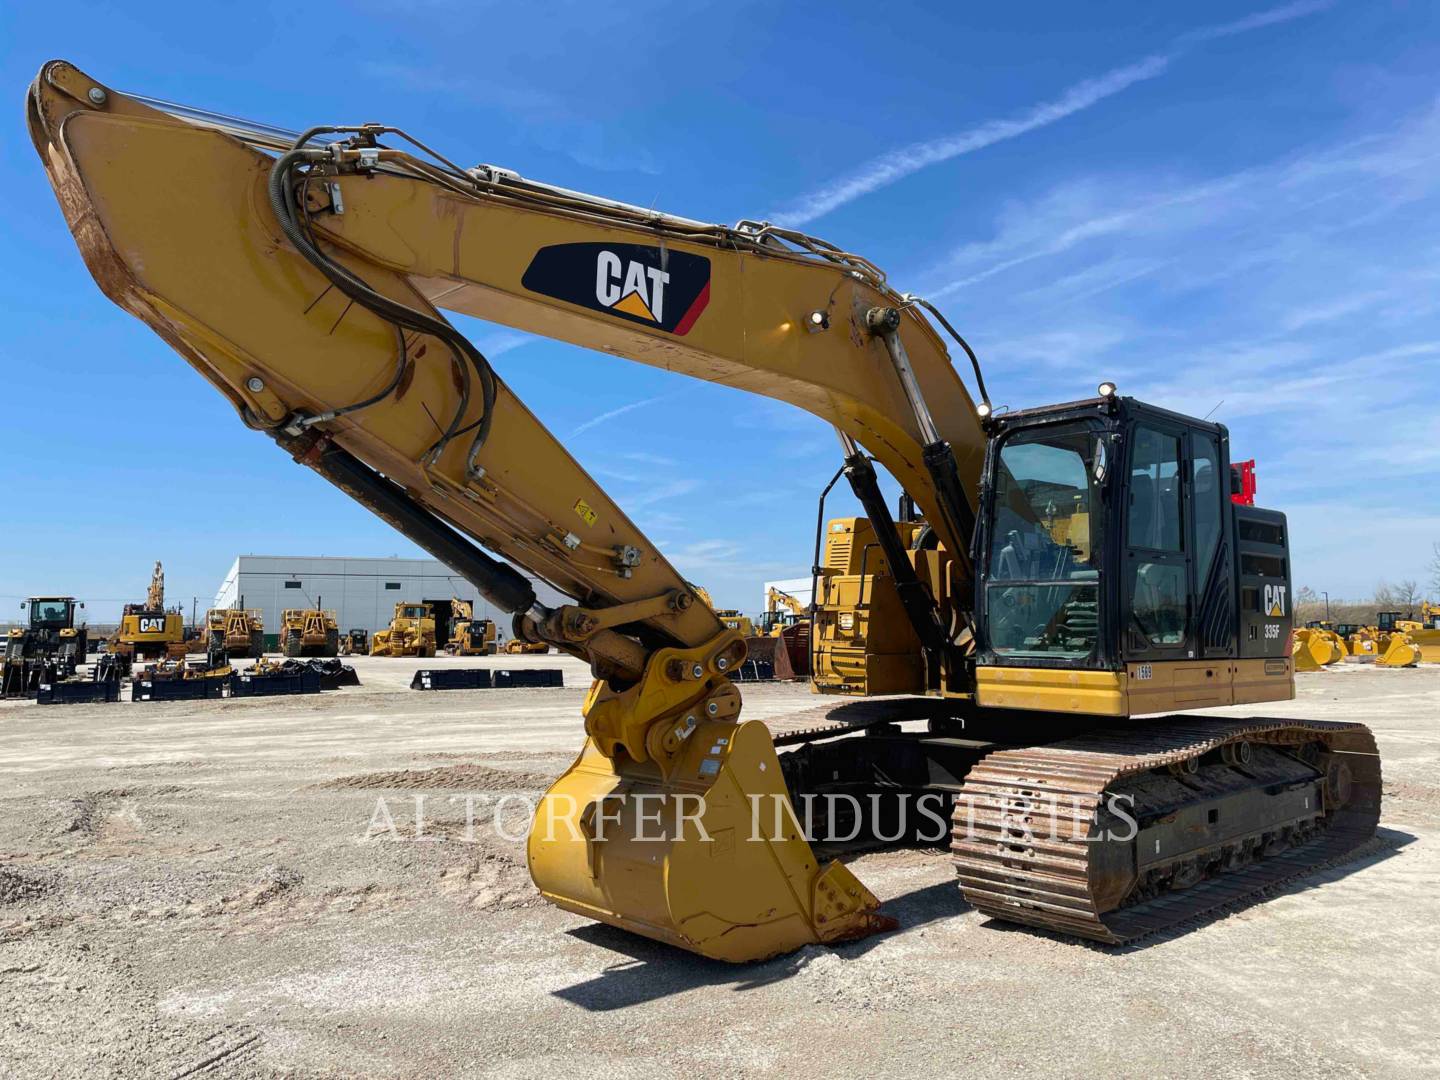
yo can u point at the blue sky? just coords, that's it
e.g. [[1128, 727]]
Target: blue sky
[[1227, 207]]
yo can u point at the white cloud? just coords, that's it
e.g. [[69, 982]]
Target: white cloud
[[596, 421], [895, 165]]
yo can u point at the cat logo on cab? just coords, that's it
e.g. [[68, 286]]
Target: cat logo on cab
[[653, 286]]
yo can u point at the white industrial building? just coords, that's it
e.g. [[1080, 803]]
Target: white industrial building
[[362, 592]]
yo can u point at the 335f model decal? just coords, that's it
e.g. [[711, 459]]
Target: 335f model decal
[[648, 285]]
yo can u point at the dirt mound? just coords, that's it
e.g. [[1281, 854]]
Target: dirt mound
[[85, 815], [20, 886], [272, 882], [447, 778]]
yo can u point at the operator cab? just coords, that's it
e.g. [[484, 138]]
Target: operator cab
[[51, 612], [1108, 541]]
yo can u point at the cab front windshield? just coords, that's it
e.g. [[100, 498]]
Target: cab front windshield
[[1042, 594], [48, 612]]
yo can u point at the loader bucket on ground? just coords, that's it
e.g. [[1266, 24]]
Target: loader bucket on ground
[[695, 858]]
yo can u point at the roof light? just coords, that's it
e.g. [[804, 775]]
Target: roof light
[[1107, 389], [983, 410]]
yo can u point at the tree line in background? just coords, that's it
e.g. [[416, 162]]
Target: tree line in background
[[1404, 596]]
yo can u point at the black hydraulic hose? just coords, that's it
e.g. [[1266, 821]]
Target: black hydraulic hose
[[282, 203], [375, 398], [974, 360], [815, 567]]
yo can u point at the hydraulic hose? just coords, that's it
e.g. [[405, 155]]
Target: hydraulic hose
[[354, 287]]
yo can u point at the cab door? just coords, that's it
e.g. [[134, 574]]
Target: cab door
[[1167, 664]]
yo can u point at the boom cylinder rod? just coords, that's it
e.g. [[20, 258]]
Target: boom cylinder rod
[[939, 456], [885, 323]]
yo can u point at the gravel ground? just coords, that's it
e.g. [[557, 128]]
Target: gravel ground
[[209, 888]]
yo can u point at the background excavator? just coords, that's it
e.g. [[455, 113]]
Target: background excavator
[[148, 630], [1065, 570]]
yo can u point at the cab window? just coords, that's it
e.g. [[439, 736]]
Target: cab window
[[1155, 491], [1043, 587]]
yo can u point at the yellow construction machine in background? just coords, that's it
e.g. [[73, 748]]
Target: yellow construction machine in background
[[411, 632], [864, 642], [520, 647], [469, 636], [235, 632], [147, 630], [309, 632], [781, 610], [355, 643], [1425, 633]]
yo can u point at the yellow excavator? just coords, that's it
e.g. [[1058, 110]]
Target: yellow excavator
[[1080, 567], [148, 630], [781, 610]]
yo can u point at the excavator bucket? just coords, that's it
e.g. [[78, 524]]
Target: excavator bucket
[[766, 658], [1316, 649], [1400, 651], [707, 856]]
